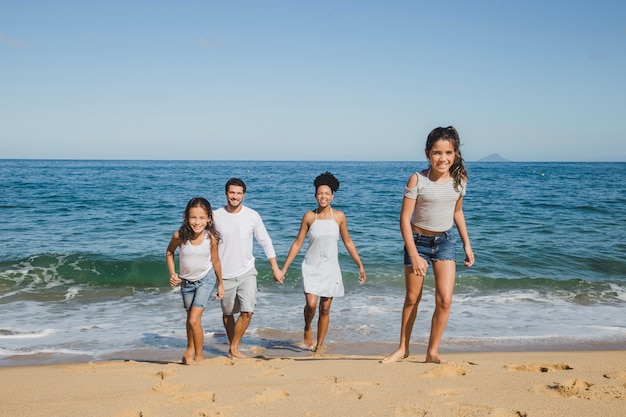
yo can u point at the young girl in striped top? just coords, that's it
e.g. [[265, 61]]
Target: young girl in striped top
[[433, 202]]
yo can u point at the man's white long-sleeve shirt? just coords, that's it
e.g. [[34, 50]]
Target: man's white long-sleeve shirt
[[237, 231]]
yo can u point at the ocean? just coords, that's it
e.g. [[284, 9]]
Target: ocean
[[83, 274]]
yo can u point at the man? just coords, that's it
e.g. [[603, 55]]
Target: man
[[238, 224]]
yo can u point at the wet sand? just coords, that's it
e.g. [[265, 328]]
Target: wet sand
[[556, 383]]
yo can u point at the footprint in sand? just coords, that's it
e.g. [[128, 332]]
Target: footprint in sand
[[200, 397], [164, 374], [540, 367], [345, 388], [270, 395], [619, 376], [409, 412], [577, 388], [168, 389], [446, 370]]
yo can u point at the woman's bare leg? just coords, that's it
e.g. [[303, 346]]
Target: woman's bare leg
[[309, 314], [322, 322]]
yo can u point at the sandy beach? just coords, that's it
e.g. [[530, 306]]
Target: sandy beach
[[572, 383]]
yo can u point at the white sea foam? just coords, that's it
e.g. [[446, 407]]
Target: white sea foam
[[33, 335]]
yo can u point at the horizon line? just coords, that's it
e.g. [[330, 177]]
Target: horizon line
[[503, 161]]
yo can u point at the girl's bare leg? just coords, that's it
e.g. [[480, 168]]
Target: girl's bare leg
[[445, 272], [414, 284], [322, 322], [195, 336]]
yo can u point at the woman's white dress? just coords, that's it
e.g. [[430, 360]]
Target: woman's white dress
[[321, 274]]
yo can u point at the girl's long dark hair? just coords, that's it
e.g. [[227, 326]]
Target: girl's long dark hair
[[185, 233], [457, 170]]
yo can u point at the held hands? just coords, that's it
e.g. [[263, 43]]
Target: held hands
[[279, 276], [174, 280]]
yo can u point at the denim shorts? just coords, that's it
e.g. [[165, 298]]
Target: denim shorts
[[196, 293], [240, 293], [441, 247]]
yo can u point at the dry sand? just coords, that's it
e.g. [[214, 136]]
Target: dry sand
[[507, 384]]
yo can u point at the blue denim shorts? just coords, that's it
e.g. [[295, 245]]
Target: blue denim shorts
[[441, 247], [196, 293]]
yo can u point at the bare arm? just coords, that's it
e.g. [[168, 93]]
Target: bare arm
[[171, 260], [279, 276], [263, 238], [217, 266], [459, 220], [298, 242], [340, 217], [406, 213]]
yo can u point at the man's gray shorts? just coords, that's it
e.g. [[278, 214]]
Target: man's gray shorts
[[240, 293]]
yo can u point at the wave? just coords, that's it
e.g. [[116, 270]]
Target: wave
[[59, 278], [88, 277], [576, 291]]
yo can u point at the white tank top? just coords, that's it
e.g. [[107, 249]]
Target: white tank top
[[195, 260]]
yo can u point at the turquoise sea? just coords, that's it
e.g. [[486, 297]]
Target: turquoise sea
[[83, 275]]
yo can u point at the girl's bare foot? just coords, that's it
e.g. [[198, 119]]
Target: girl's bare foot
[[437, 359], [188, 357], [395, 356]]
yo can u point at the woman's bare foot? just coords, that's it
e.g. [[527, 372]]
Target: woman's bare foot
[[395, 356], [307, 346], [234, 353], [308, 339]]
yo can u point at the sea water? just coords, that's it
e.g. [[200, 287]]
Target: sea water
[[83, 273]]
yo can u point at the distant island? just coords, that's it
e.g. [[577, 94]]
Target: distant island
[[494, 157]]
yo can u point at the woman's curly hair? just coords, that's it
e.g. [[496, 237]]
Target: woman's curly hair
[[327, 178]]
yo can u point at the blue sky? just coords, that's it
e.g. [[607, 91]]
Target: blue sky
[[312, 80]]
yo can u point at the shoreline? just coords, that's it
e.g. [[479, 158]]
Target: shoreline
[[288, 349], [478, 384]]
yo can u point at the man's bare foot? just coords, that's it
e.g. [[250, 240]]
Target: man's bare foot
[[437, 359], [234, 353], [395, 356], [198, 360]]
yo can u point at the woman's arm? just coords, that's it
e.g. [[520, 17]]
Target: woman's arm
[[340, 217], [299, 241]]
